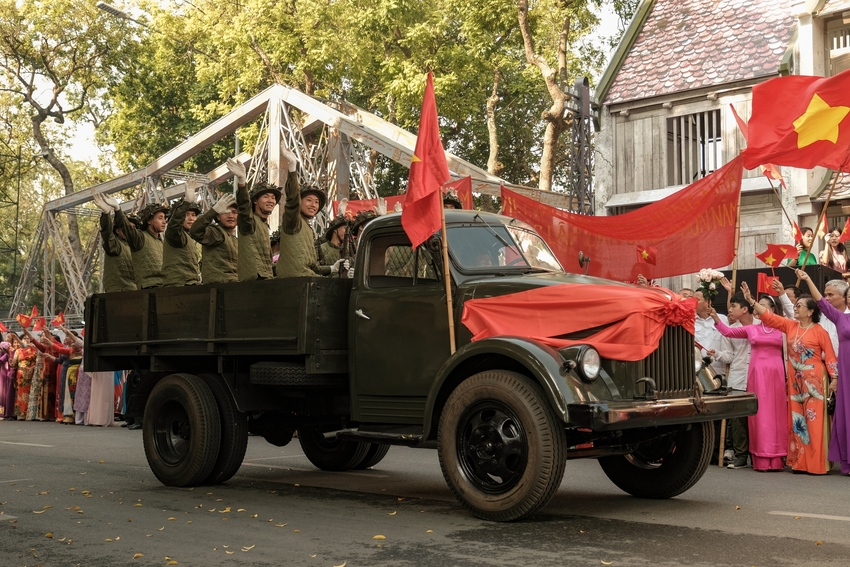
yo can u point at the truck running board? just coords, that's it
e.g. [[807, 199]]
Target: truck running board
[[395, 437]]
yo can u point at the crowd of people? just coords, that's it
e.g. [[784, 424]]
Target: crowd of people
[[789, 349], [43, 379]]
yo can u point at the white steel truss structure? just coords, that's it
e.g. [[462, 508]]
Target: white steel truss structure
[[334, 143]]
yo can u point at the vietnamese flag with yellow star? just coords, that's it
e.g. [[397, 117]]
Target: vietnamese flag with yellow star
[[422, 215], [801, 121]]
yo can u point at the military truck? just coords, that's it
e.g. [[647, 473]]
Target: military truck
[[357, 365]]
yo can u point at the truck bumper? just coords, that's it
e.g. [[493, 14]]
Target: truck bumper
[[632, 414]]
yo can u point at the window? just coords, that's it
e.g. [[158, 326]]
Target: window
[[393, 263], [838, 46], [694, 147]]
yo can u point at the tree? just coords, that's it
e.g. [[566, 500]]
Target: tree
[[56, 56]]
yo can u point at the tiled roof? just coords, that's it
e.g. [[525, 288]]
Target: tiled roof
[[834, 6], [689, 44]]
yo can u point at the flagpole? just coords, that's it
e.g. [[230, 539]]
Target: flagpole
[[448, 279], [722, 445], [779, 198]]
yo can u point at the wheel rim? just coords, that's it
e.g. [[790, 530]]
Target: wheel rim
[[492, 447], [172, 432]]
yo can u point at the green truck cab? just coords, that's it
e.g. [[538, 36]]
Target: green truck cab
[[355, 366]]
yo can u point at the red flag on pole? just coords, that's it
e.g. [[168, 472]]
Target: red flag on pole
[[770, 170], [845, 233], [39, 324], [463, 188], [765, 284], [428, 171], [58, 320], [775, 253], [647, 254], [3, 328], [800, 121]]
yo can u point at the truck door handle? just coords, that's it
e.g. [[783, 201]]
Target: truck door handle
[[362, 315]]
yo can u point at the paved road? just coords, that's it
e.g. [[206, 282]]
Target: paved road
[[91, 489]]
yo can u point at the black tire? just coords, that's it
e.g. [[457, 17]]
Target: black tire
[[665, 467], [331, 454], [234, 432], [374, 455], [502, 449], [182, 430]]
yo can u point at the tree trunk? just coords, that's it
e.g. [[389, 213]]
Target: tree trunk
[[554, 116], [493, 164], [67, 183]]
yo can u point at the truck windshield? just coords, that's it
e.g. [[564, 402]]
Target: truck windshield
[[484, 247]]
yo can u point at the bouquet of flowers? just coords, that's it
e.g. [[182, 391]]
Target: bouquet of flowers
[[709, 283]]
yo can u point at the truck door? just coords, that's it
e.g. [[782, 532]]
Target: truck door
[[398, 331]]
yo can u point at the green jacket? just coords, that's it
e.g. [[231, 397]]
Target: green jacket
[[330, 253], [219, 250], [297, 239], [117, 260], [255, 253], [180, 264], [147, 253]]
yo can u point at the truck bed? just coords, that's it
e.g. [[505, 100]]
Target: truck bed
[[304, 318]]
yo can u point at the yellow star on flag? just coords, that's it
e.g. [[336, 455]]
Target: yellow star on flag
[[645, 254], [414, 159], [819, 122], [770, 260]]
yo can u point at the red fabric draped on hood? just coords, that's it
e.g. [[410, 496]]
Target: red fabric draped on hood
[[636, 317]]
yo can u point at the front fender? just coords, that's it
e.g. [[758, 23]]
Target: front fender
[[543, 363]]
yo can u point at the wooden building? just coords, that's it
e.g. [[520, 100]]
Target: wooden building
[[665, 118]]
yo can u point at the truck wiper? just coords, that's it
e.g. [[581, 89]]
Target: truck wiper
[[493, 232]]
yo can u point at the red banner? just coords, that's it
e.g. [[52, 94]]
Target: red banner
[[462, 186], [692, 229]]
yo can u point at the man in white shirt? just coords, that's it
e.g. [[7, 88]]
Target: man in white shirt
[[736, 354], [705, 333]]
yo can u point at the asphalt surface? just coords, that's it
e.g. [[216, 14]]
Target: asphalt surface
[[72, 495]]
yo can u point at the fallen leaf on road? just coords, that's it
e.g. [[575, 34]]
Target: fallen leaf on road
[[379, 537], [797, 517], [138, 504], [246, 548], [86, 492], [297, 485], [241, 510], [172, 562], [818, 542], [160, 529], [225, 511], [737, 507], [171, 519], [38, 511], [429, 531], [342, 565], [49, 535], [279, 525], [297, 531], [606, 562], [138, 556], [312, 555], [108, 539], [189, 522], [46, 507], [400, 499], [100, 462], [254, 515], [392, 513], [230, 552], [63, 539], [225, 546], [43, 493]]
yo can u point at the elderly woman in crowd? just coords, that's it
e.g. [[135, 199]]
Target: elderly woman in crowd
[[839, 445], [808, 347]]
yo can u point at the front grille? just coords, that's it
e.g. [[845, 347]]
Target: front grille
[[672, 364]]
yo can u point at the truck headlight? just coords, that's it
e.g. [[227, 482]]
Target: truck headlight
[[589, 363], [698, 361]]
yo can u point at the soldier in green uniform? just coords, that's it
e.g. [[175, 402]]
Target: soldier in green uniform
[[451, 200], [255, 257], [331, 245], [145, 243], [118, 260], [180, 264], [215, 231]]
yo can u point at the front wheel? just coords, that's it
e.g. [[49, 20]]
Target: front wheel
[[182, 430], [664, 467], [502, 449]]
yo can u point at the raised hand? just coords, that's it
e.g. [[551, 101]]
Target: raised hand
[[101, 203], [224, 203], [745, 289], [190, 193], [727, 285], [238, 170], [290, 157], [802, 275]]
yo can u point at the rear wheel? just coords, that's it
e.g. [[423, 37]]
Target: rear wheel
[[374, 455], [234, 432], [502, 449], [331, 454], [182, 430], [664, 467]]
